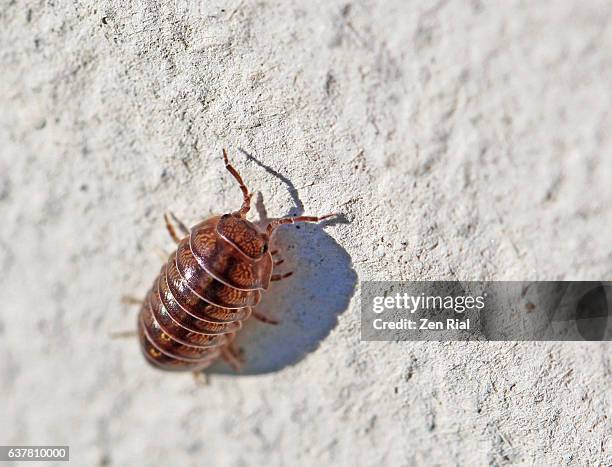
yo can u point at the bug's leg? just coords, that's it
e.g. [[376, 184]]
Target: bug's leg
[[293, 220], [161, 253], [231, 359], [246, 196], [278, 277], [232, 355], [127, 300], [200, 378], [123, 334], [171, 230], [131, 300], [264, 318], [182, 227], [235, 351], [279, 261]]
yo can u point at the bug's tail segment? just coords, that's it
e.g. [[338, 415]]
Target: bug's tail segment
[[293, 220], [246, 196]]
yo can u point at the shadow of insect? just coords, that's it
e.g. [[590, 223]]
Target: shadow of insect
[[308, 304]]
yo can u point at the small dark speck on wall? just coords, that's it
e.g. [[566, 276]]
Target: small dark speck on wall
[[5, 187], [105, 460]]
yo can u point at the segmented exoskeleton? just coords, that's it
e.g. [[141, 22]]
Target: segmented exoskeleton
[[208, 287]]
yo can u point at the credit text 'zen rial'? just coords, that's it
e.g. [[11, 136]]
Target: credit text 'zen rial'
[[422, 324]]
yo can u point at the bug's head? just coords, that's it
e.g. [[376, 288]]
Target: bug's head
[[244, 234]]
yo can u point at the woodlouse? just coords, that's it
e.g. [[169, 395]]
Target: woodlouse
[[208, 287]]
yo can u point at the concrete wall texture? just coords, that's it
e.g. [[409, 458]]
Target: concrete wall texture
[[460, 139]]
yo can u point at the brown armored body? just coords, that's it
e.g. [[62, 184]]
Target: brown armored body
[[208, 287]]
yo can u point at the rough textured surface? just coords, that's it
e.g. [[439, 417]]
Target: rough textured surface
[[466, 140]]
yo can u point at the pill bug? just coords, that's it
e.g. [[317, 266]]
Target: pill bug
[[208, 287]]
